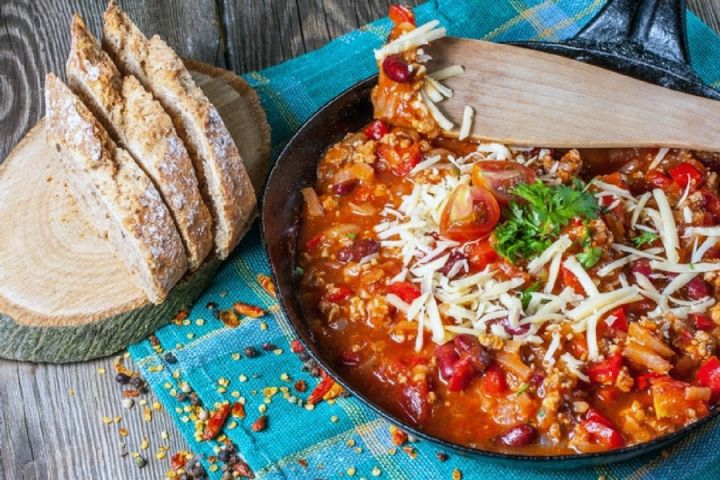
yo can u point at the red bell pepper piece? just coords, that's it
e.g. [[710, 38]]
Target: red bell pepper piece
[[570, 280], [709, 375], [480, 255], [400, 14], [702, 321], [463, 373], [643, 381], [321, 389], [377, 129], [494, 380], [338, 294], [607, 371], [685, 173], [602, 429], [405, 290], [314, 242], [620, 322], [216, 421]]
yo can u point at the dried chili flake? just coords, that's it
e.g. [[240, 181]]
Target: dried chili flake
[[248, 310], [180, 316], [243, 469], [238, 410], [301, 386], [216, 421], [321, 389], [442, 456], [267, 284], [229, 318], [397, 436], [260, 424], [296, 346]]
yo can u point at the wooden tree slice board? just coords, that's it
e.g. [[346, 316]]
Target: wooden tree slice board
[[526, 97], [64, 296]]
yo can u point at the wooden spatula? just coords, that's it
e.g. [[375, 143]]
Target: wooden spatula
[[529, 97]]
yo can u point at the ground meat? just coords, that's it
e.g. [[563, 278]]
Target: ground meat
[[568, 167], [601, 235], [624, 381]]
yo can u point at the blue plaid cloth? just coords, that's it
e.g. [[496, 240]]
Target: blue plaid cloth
[[345, 437]]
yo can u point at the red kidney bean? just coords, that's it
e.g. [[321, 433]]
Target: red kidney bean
[[518, 436], [446, 357], [455, 257], [346, 187], [642, 266], [463, 374], [350, 359], [698, 288], [397, 69], [468, 347], [505, 323], [377, 129], [414, 400], [359, 249]]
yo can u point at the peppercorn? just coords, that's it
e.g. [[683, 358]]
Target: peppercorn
[[268, 347], [170, 358], [181, 397], [140, 461], [198, 471], [211, 305], [122, 379], [224, 456], [216, 313], [315, 371], [251, 352], [442, 456], [195, 400], [136, 382]]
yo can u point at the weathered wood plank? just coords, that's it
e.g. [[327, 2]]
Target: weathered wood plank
[[35, 38], [708, 11]]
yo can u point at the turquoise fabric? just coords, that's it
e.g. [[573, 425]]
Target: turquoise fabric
[[319, 439]]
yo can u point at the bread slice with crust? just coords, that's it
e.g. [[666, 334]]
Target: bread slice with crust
[[140, 124], [224, 182], [117, 197]]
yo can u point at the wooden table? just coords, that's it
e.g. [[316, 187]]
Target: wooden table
[[51, 423]]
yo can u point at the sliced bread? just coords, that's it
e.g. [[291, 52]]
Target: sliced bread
[[141, 125], [118, 198], [224, 182]]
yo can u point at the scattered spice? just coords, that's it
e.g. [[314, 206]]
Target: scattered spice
[[397, 436], [229, 318], [248, 310], [238, 410], [301, 386], [250, 352], [321, 389], [267, 284], [140, 461], [268, 347], [260, 424], [296, 346], [442, 456], [170, 358], [457, 474], [180, 316], [216, 421]]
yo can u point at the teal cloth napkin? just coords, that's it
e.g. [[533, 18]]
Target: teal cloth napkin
[[335, 440]]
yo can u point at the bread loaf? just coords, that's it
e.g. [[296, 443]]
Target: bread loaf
[[142, 126], [118, 198], [224, 182]]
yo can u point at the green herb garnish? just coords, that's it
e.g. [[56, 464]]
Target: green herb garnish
[[351, 235], [645, 237], [536, 220], [590, 255], [523, 388], [526, 295]]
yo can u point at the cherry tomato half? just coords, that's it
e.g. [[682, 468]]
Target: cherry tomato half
[[500, 177], [470, 213], [402, 159]]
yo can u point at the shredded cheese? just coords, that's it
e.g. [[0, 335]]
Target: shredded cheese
[[685, 267], [704, 231], [441, 119], [557, 247], [466, 123], [574, 365], [668, 233], [447, 72], [585, 281], [422, 35], [658, 158]]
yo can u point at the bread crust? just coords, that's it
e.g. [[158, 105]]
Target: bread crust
[[118, 198], [224, 182], [140, 124]]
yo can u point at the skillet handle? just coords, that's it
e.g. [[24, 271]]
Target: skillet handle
[[656, 26]]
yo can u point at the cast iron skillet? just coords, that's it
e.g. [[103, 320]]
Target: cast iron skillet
[[644, 39]]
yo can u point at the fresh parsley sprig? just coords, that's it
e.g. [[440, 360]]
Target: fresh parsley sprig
[[536, 218], [645, 237]]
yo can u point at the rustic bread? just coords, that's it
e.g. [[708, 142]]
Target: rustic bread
[[224, 182], [142, 126], [117, 197]]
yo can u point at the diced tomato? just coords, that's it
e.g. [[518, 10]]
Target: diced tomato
[[709, 375], [615, 179], [377, 129], [463, 373], [643, 381], [620, 322], [685, 173], [314, 242], [602, 429], [480, 255], [402, 159], [570, 280], [405, 290], [702, 321], [606, 371], [658, 179], [494, 380], [338, 294], [400, 14], [669, 400]]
